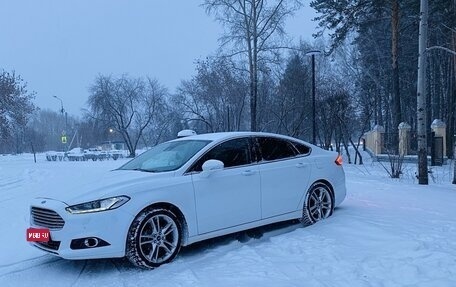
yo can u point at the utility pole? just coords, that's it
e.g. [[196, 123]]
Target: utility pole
[[64, 113], [314, 116], [421, 95]]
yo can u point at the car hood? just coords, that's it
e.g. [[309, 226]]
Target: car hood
[[112, 183]]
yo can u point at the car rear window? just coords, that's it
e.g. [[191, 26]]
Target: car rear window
[[275, 148], [302, 148]]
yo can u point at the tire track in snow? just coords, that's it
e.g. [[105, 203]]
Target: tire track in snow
[[103, 270], [9, 181], [80, 274], [119, 265], [22, 261], [225, 251], [27, 264]]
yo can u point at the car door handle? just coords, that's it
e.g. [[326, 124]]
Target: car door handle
[[300, 165], [248, 172]]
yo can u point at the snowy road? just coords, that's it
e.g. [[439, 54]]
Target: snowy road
[[386, 233]]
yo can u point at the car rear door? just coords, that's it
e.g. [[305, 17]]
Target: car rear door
[[284, 173]]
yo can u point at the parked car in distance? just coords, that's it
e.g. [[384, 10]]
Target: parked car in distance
[[188, 190], [75, 154]]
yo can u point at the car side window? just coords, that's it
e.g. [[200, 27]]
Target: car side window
[[274, 148], [232, 153], [302, 148]]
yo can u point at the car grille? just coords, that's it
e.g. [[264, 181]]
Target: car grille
[[46, 218]]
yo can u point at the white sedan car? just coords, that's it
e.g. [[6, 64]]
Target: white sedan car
[[191, 189]]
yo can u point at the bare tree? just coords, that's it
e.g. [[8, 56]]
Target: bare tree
[[50, 125], [214, 99], [128, 104], [255, 28], [362, 103]]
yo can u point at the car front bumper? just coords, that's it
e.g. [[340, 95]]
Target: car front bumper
[[109, 227]]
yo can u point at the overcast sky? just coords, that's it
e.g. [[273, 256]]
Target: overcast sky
[[59, 47]]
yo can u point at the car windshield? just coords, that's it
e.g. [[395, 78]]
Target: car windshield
[[167, 156]]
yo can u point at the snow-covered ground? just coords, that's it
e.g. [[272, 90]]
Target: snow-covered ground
[[386, 233]]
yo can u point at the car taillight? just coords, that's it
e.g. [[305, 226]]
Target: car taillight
[[338, 160]]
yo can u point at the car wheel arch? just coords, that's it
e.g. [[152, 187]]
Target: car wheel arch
[[174, 209], [323, 181], [305, 219]]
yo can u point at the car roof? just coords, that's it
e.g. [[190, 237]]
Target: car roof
[[220, 136]]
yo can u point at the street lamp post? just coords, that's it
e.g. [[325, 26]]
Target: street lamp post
[[111, 132], [312, 54], [62, 110]]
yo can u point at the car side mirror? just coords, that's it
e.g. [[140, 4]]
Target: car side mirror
[[209, 166]]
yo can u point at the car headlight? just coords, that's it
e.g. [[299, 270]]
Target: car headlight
[[98, 205]]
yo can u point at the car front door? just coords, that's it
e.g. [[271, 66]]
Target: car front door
[[230, 196]]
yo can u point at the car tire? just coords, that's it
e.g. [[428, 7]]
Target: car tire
[[318, 205], [154, 238]]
